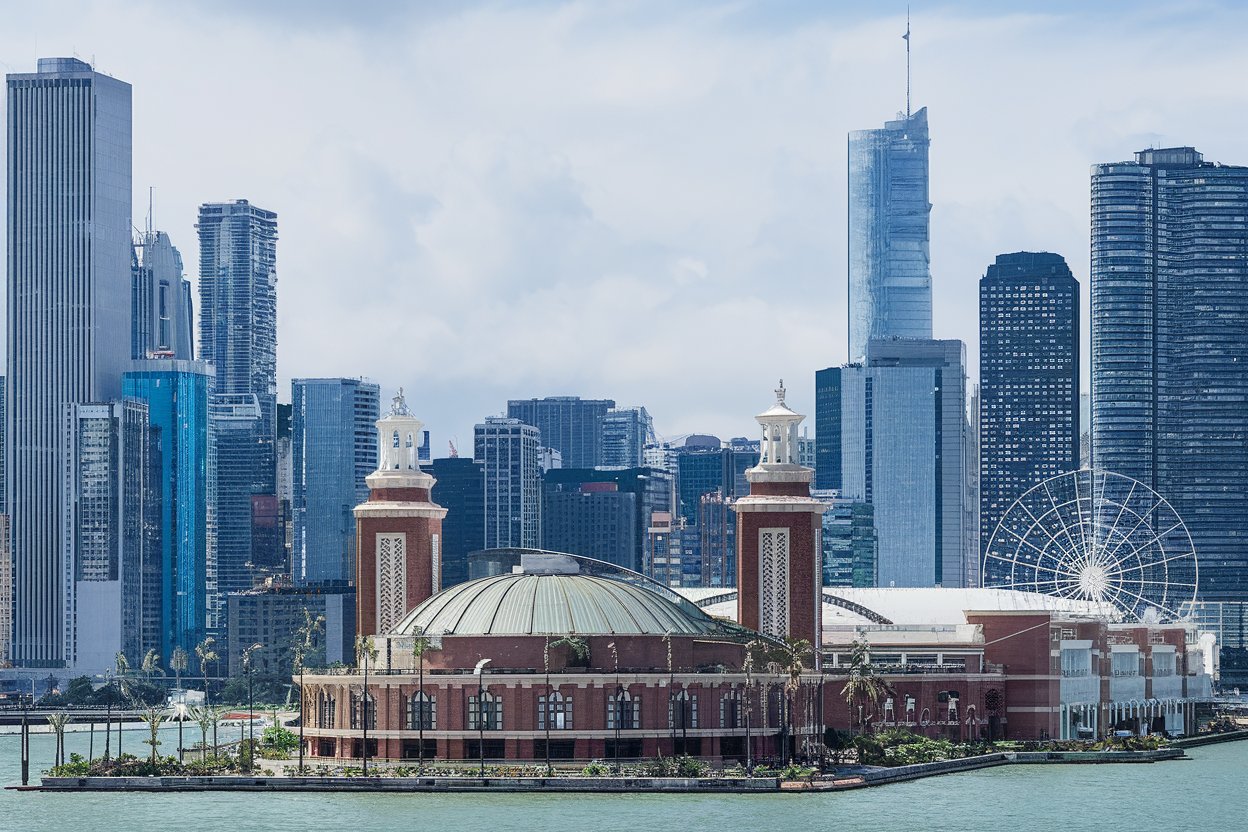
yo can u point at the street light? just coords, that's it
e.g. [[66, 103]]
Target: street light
[[619, 701], [251, 722], [479, 670]]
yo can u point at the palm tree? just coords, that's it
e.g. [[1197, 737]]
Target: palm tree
[[207, 655], [205, 717], [153, 716], [421, 644], [864, 684], [58, 722], [151, 664], [178, 663], [792, 656], [303, 645], [365, 652], [580, 650]]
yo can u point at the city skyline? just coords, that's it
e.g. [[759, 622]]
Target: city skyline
[[610, 224]]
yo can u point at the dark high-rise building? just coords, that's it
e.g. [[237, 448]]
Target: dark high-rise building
[[1170, 346], [459, 487], [333, 450], [68, 232], [162, 318], [591, 504], [701, 471], [848, 541], [890, 280], [828, 428], [569, 424], [238, 336], [1028, 379]]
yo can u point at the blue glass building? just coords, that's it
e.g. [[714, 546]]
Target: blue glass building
[[890, 280], [1028, 377], [333, 447], [176, 393], [1170, 345], [569, 424]]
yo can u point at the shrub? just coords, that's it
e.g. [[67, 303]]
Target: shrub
[[596, 769]]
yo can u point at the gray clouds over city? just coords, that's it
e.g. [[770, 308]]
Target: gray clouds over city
[[642, 201]]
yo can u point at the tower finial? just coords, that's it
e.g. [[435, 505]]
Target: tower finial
[[780, 393], [398, 405], [906, 37]]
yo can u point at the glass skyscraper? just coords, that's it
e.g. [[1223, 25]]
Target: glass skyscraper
[[569, 424], [68, 312], [508, 452], [1029, 379], [238, 337], [1170, 345], [459, 487], [623, 438], [890, 280], [333, 445], [176, 393], [161, 314]]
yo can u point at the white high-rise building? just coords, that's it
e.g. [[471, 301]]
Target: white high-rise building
[[510, 453], [68, 218]]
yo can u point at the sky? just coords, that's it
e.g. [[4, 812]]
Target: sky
[[643, 201]]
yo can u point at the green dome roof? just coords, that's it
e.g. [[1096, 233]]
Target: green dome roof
[[555, 604]]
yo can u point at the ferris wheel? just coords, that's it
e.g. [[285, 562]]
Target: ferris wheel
[[1095, 536]]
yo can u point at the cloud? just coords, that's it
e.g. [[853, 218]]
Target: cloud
[[637, 201]]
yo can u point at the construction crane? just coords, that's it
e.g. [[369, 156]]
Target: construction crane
[[454, 450]]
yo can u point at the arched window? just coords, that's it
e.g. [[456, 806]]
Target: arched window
[[489, 710], [926, 717], [422, 712], [410, 441], [395, 440], [909, 708], [359, 713], [682, 710], [625, 709], [889, 715], [953, 709], [559, 710]]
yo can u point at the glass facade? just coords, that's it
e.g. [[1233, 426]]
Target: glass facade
[[1029, 380], [890, 280], [1170, 344], [569, 424], [68, 312], [848, 541], [459, 487], [176, 393], [161, 315], [508, 452], [333, 450], [624, 436]]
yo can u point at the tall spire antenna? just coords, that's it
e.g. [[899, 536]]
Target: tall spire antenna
[[906, 37], [150, 201]]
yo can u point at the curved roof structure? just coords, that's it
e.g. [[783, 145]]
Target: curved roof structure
[[544, 603]]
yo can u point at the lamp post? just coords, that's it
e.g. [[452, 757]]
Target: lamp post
[[251, 724], [619, 702], [748, 666], [479, 670]]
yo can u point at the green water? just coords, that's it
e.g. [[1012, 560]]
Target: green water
[[1203, 793]]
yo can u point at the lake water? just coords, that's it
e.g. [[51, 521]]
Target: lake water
[[1203, 793]]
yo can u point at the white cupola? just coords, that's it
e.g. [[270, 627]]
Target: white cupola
[[398, 438], [779, 423]]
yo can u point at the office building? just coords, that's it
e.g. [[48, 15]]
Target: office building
[[238, 336], [1028, 379], [1170, 344], [459, 487], [508, 450], [110, 544], [906, 448], [68, 313], [162, 317], [717, 538], [272, 615], [592, 519], [569, 424], [702, 471], [176, 395], [625, 434], [333, 450], [890, 280], [848, 541]]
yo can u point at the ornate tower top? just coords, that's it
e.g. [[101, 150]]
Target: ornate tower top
[[398, 440], [398, 405], [779, 443]]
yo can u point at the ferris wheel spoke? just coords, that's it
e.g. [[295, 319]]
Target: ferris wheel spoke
[[1037, 523], [1135, 528], [1186, 556], [1065, 524]]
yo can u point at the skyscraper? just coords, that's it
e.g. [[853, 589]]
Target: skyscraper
[[176, 394], [1170, 344], [890, 280], [569, 424], [508, 451], [1029, 379], [162, 317], [68, 312], [333, 450], [625, 433], [459, 487], [111, 546], [905, 448], [238, 337]]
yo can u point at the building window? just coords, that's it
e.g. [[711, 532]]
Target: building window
[[326, 707], [730, 710], [421, 712], [773, 575], [682, 710], [559, 708], [488, 710], [623, 709], [356, 711], [1076, 661], [1126, 663], [1163, 664]]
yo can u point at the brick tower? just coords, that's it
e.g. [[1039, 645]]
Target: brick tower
[[779, 530], [398, 531]]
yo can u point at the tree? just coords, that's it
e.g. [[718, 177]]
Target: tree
[[365, 654], [205, 717], [303, 645], [792, 656], [178, 663], [58, 723], [864, 684], [151, 664], [579, 649], [206, 653], [421, 644], [153, 716]]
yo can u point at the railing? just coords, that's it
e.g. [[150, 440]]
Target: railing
[[908, 669]]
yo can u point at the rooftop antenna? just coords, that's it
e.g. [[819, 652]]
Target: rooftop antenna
[[149, 210], [906, 38]]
